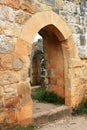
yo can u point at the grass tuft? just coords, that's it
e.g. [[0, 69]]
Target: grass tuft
[[29, 127], [44, 96], [81, 109]]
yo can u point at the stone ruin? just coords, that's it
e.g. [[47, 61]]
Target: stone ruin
[[35, 71], [63, 26]]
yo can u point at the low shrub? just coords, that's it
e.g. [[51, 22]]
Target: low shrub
[[81, 109], [45, 96], [29, 127]]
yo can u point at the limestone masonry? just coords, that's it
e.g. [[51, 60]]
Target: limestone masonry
[[63, 26]]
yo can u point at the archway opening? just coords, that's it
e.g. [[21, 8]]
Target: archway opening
[[54, 64], [54, 60]]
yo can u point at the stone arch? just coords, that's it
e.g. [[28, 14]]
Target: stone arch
[[42, 19], [49, 21], [61, 30]]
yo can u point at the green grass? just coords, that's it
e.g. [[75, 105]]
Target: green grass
[[81, 109], [44, 96], [29, 127]]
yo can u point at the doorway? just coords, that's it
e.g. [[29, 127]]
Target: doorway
[[58, 47]]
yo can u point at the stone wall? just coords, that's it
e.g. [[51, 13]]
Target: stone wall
[[15, 99]]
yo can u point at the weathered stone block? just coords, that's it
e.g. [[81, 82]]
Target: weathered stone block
[[70, 7], [12, 117], [21, 16], [6, 44], [82, 40], [9, 77], [75, 73], [79, 29], [75, 62], [2, 1], [25, 113], [28, 6], [11, 30], [1, 92], [6, 62], [17, 64], [3, 117], [23, 90], [11, 102], [78, 19], [1, 103], [59, 4], [55, 10], [1, 30], [78, 1], [48, 2], [24, 75], [13, 3], [9, 89], [24, 48], [7, 13]]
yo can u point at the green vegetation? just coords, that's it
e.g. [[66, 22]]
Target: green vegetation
[[44, 96], [81, 109], [29, 127], [42, 62]]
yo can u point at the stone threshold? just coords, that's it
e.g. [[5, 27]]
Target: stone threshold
[[46, 117]]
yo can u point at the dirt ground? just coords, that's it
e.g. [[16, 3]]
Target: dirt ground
[[40, 107], [69, 123], [74, 123]]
